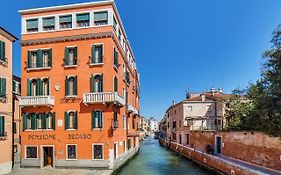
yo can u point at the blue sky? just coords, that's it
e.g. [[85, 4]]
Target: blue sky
[[182, 45]]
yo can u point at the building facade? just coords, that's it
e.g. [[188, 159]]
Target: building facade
[[80, 87], [16, 121], [6, 99], [199, 111], [153, 124]]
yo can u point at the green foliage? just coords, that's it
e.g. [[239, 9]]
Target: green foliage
[[264, 113]]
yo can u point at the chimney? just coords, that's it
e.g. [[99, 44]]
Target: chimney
[[203, 97], [212, 91], [174, 103], [220, 90]]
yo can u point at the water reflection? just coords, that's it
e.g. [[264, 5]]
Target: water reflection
[[156, 160]]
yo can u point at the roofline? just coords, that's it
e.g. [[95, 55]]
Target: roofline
[[64, 7], [9, 35]]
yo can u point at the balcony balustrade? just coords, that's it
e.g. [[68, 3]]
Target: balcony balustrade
[[36, 101], [103, 97]]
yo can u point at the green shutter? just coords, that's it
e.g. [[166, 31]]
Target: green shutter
[[50, 21], [66, 123], [32, 24], [1, 91], [66, 55], [33, 121], [50, 58], [29, 56], [93, 54], [100, 16], [39, 60], [66, 86], [24, 121], [93, 119], [76, 121], [83, 17], [44, 118], [2, 50], [64, 19], [54, 121], [75, 85], [2, 125], [102, 83], [101, 120], [4, 87], [28, 87], [115, 84], [92, 83], [38, 87], [75, 56]]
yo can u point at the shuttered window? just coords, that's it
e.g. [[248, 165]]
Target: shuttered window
[[115, 84], [71, 86], [32, 121], [70, 120], [2, 51], [97, 54], [115, 61], [96, 83], [65, 21], [70, 56], [83, 20], [39, 58], [97, 119], [49, 23], [101, 18], [37, 87], [32, 25], [3, 92], [2, 126]]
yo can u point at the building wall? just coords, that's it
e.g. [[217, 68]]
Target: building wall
[[253, 147], [6, 110], [17, 122], [84, 136]]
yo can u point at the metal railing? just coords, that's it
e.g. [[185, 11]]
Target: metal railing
[[36, 101], [103, 97]]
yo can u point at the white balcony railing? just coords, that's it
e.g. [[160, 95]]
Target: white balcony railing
[[132, 109], [103, 97], [37, 101]]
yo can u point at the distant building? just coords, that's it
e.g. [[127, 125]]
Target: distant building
[[143, 126], [199, 111], [6, 100], [153, 124]]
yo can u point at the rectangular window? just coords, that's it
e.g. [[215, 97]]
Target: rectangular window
[[180, 123], [3, 93], [32, 25], [189, 108], [65, 22], [114, 24], [2, 126], [174, 124], [40, 58], [2, 51], [97, 119], [97, 54], [71, 120], [115, 119], [49, 23], [124, 146], [101, 18], [83, 20], [115, 63], [70, 56], [124, 122], [97, 151], [31, 152], [129, 144], [34, 121], [187, 139], [119, 35], [71, 152]]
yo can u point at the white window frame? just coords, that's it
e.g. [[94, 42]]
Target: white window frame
[[76, 149], [25, 152], [93, 156]]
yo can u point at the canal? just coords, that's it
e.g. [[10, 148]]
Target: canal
[[156, 160]]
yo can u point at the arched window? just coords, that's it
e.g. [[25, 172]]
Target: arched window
[[71, 120], [71, 86], [33, 87], [97, 83], [45, 86]]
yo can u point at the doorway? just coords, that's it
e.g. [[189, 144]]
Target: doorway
[[48, 157], [115, 150], [218, 144]]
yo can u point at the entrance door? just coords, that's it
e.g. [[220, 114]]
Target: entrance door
[[218, 144], [48, 156], [115, 150], [180, 139]]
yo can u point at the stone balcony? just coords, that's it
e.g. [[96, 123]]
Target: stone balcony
[[35, 101], [132, 109], [103, 97]]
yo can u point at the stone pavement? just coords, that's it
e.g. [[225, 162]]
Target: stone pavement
[[50, 171]]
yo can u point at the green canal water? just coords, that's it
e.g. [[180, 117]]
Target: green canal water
[[153, 159]]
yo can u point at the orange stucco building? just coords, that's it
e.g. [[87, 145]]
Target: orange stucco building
[[6, 99], [80, 87]]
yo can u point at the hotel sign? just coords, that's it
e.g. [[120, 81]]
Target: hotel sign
[[42, 137], [79, 136]]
